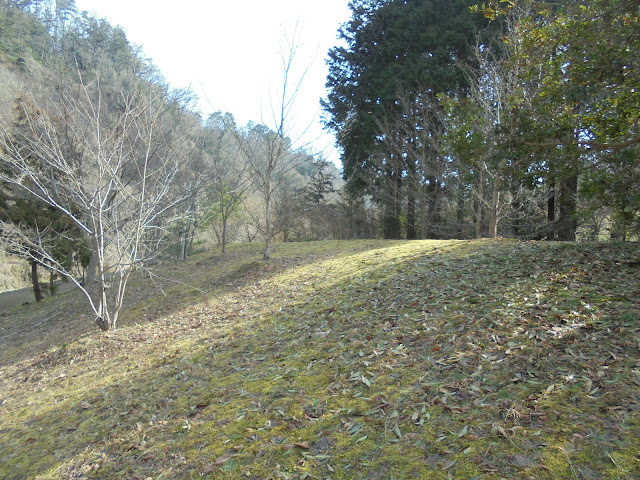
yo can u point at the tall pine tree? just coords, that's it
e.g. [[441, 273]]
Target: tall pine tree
[[413, 46]]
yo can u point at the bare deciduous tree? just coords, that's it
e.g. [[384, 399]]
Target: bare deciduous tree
[[109, 161], [230, 180], [270, 152]]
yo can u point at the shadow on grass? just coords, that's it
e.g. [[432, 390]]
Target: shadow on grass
[[35, 329], [135, 403], [61, 416]]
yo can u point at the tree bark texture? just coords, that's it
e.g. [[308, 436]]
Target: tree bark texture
[[567, 222], [35, 282], [392, 204], [479, 205], [551, 212]]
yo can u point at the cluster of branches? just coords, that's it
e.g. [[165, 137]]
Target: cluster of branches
[[259, 185], [560, 116], [267, 160], [110, 172]]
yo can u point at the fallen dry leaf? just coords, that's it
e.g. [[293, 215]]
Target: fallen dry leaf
[[223, 459]]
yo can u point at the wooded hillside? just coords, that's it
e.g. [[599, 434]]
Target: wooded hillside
[[338, 359], [104, 168]]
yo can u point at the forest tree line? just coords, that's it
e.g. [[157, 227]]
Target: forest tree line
[[512, 118]]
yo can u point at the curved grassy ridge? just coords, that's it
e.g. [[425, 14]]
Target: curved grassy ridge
[[348, 360]]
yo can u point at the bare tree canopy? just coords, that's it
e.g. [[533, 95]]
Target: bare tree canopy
[[109, 161]]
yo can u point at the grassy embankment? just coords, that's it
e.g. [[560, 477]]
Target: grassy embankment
[[341, 360]]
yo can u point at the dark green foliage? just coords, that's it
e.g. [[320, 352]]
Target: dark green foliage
[[413, 45], [391, 47], [21, 35], [529, 135], [320, 184], [578, 121]]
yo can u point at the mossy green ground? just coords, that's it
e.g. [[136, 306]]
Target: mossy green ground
[[338, 360]]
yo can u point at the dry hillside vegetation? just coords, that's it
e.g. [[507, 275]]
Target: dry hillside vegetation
[[338, 360], [13, 273]]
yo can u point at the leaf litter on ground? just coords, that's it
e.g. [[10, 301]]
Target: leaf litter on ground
[[341, 360]]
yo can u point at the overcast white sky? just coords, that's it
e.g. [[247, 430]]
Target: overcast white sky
[[228, 51]]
